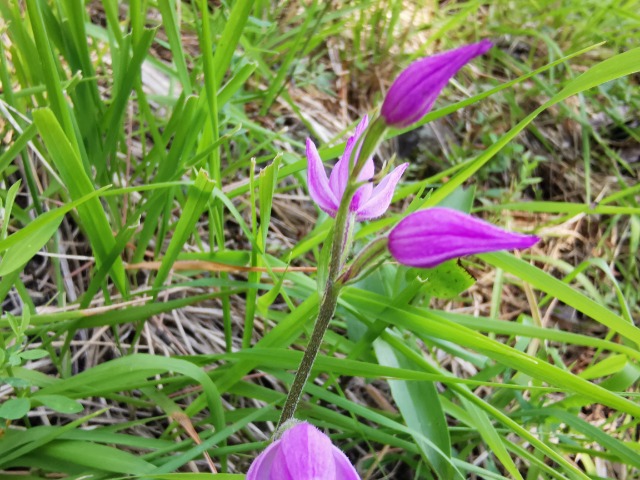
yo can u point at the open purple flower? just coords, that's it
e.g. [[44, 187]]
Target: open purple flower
[[415, 90], [429, 237], [368, 202], [302, 453]]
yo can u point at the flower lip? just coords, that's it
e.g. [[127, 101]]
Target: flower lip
[[415, 90], [302, 453], [429, 237]]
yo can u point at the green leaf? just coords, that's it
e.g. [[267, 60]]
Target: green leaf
[[14, 360], [97, 456], [15, 382], [420, 406], [231, 34], [15, 408], [92, 215], [42, 436], [26, 242], [266, 185], [33, 354], [447, 280], [606, 367], [198, 196], [59, 403], [615, 67], [563, 292]]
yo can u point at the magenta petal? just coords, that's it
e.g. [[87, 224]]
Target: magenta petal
[[318, 182], [414, 92], [429, 237], [361, 196], [306, 454], [344, 468], [342, 169], [381, 196], [260, 469]]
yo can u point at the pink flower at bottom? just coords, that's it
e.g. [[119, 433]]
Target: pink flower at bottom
[[302, 453]]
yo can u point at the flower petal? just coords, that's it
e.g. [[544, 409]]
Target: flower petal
[[429, 237], [361, 197], [414, 92], [342, 169], [318, 182], [306, 454], [381, 196], [260, 469], [344, 468]]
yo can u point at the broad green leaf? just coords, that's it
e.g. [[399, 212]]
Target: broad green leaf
[[33, 354], [15, 408], [15, 382], [59, 403], [447, 280], [420, 407]]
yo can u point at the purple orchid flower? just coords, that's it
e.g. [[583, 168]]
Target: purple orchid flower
[[302, 453], [368, 202], [429, 237], [415, 90]]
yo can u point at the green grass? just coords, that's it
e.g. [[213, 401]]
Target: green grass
[[155, 212]]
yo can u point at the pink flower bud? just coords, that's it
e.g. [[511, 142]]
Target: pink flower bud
[[429, 237], [415, 90]]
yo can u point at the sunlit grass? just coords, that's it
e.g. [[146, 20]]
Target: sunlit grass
[[159, 249]]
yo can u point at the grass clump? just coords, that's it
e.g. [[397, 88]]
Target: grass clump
[[162, 263]]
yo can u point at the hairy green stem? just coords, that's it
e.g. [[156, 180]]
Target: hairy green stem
[[340, 247], [326, 309]]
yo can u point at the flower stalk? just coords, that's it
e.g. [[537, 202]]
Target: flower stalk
[[326, 310], [349, 197], [340, 247]]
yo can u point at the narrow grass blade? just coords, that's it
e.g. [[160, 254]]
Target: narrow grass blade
[[92, 215], [198, 196]]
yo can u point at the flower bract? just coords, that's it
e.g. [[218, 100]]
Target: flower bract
[[429, 237], [368, 202], [302, 453], [415, 90]]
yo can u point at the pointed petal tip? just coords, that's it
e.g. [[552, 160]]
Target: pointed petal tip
[[344, 468], [317, 181], [381, 196]]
